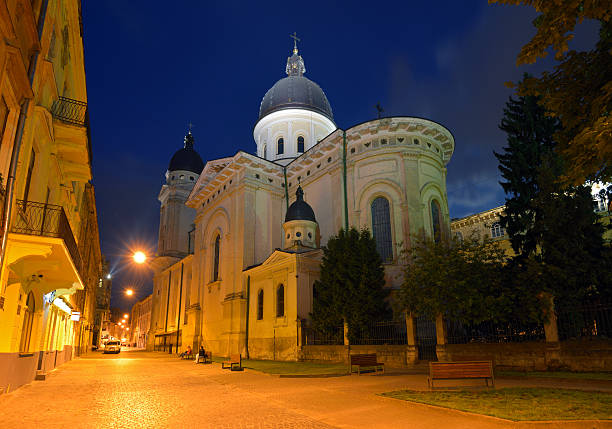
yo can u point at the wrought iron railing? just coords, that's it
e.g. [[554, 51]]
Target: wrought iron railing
[[313, 337], [70, 111], [594, 321], [46, 220], [380, 333], [493, 332]]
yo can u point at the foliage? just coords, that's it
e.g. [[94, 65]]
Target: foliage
[[553, 228], [464, 280], [352, 283], [579, 90]]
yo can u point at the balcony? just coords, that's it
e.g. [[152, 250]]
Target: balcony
[[46, 220], [70, 111], [43, 250]]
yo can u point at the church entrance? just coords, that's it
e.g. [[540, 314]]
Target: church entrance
[[426, 338]]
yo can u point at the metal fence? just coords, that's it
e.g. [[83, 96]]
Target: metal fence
[[47, 220], [493, 332], [70, 111], [313, 337], [380, 333], [586, 322]]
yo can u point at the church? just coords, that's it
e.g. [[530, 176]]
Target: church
[[240, 237]]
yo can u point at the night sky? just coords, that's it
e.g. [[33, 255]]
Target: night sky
[[155, 66]]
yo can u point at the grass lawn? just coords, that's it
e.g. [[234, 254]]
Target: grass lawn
[[558, 374], [291, 368], [519, 403]]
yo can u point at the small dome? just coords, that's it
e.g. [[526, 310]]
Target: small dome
[[187, 158], [300, 210]]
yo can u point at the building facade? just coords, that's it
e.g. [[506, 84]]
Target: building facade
[[247, 287], [49, 256], [141, 322]]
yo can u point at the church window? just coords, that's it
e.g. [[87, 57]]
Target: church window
[[497, 230], [300, 144], [288, 235], [381, 228], [329, 159], [191, 178], [416, 141], [310, 235], [352, 150], [280, 301], [436, 220], [260, 305], [298, 234], [28, 319], [216, 260], [280, 146], [182, 176]]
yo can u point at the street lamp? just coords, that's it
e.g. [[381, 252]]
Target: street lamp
[[129, 292], [139, 257], [125, 316]]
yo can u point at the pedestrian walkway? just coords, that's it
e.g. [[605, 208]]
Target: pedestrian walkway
[[155, 390]]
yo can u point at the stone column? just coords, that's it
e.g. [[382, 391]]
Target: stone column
[[441, 351], [412, 352]]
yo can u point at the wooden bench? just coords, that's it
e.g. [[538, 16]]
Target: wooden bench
[[366, 361], [206, 358], [461, 370], [186, 355], [234, 363]]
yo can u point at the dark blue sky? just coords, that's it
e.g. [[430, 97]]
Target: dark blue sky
[[154, 66]]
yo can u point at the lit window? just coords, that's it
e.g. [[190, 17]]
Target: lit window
[[280, 301], [497, 230], [280, 146], [381, 228], [300, 144]]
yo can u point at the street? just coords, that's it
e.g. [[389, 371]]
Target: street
[[153, 390]]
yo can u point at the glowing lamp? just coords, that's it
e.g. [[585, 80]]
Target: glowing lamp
[[139, 257]]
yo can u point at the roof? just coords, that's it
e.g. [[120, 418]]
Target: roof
[[187, 158]]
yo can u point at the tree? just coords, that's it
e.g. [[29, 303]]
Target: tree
[[352, 283], [530, 140], [548, 223], [462, 280], [579, 90]]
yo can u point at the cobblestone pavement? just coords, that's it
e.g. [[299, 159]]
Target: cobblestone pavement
[[153, 390]]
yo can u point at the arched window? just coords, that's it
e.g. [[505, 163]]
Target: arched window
[[216, 260], [436, 220], [497, 230], [28, 319], [280, 301], [280, 146], [381, 228], [263, 151], [260, 305], [300, 144]]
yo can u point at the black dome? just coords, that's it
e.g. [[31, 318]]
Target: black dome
[[187, 158], [300, 210], [295, 92]]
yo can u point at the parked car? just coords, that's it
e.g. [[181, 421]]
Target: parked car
[[112, 346]]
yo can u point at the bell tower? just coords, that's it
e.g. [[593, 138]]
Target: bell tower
[[175, 218]]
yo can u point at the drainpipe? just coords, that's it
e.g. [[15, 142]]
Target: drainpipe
[[248, 299], [346, 222], [10, 180], [286, 188], [178, 323]]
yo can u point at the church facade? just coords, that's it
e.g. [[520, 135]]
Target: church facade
[[239, 253]]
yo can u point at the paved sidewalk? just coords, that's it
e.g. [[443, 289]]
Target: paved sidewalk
[[153, 390]]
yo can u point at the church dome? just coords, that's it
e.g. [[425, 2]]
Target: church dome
[[300, 210], [187, 158], [295, 92]]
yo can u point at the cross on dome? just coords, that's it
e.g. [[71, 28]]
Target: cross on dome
[[295, 40]]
